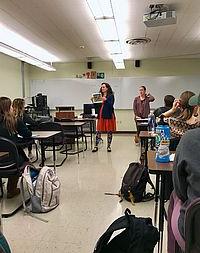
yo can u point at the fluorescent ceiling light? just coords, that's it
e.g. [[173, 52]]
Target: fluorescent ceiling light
[[119, 65], [113, 46], [25, 57], [118, 61], [117, 57], [100, 8], [107, 28], [15, 40], [103, 13]]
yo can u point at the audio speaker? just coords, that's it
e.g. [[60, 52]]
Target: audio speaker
[[137, 63], [89, 65]]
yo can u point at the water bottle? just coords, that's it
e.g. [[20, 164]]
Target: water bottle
[[162, 143], [151, 122]]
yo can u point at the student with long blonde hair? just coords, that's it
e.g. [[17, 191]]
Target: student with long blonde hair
[[10, 128], [19, 113]]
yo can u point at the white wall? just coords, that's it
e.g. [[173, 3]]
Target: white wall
[[10, 77]]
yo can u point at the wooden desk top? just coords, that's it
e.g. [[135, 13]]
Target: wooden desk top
[[44, 134], [147, 134], [72, 123], [156, 166], [2, 154]]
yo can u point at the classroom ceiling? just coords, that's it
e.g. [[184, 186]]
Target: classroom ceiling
[[62, 26]]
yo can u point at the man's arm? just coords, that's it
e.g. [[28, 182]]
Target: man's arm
[[151, 98]]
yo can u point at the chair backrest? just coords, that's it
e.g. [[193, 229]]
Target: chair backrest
[[8, 163], [192, 227]]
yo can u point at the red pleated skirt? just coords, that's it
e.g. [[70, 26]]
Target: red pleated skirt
[[105, 125]]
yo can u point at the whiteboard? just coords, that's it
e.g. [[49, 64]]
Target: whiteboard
[[76, 92]]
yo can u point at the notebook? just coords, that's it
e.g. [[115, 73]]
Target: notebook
[[96, 98]]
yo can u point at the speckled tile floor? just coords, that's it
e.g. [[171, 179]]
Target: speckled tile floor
[[84, 212]]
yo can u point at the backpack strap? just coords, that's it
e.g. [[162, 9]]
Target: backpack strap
[[27, 177], [120, 223]]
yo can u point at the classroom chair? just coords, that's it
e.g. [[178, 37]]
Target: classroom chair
[[60, 140], [9, 166]]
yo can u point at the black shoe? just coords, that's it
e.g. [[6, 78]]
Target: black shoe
[[95, 149], [108, 149]]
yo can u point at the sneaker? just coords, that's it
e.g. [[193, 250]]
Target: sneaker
[[108, 149], [95, 149], [13, 194]]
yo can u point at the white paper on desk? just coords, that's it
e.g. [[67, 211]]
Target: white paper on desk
[[171, 157]]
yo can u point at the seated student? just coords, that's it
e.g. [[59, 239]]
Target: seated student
[[10, 128], [186, 178], [179, 125], [187, 118], [168, 103], [19, 113]]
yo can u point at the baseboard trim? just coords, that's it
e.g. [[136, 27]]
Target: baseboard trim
[[125, 132]]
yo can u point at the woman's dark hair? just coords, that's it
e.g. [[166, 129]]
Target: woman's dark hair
[[169, 100], [143, 87], [187, 109], [6, 115], [109, 92]]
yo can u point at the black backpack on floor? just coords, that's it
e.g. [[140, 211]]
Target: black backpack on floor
[[138, 236], [134, 184]]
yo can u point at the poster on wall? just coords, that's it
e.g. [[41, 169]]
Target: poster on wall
[[100, 75]]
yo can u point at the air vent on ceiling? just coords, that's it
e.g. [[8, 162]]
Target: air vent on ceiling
[[138, 41]]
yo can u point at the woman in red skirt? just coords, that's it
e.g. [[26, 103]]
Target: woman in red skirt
[[106, 117]]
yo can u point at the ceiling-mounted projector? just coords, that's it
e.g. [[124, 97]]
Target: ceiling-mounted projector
[[159, 18]]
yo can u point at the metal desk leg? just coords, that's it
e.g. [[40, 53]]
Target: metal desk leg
[[77, 143], [156, 199], [42, 154], [161, 212], [91, 133], [146, 149], [54, 154]]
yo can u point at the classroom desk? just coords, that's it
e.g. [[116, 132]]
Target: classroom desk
[[42, 135], [76, 126], [92, 122], [145, 136], [160, 170]]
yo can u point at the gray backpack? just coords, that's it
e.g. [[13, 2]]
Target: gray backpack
[[44, 191]]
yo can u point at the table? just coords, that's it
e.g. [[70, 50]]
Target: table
[[42, 135], [75, 125], [92, 122], [145, 136], [160, 170]]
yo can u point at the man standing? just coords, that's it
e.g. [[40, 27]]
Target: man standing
[[141, 107]]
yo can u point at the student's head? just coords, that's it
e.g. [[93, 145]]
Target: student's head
[[18, 107], [187, 110], [194, 101], [106, 89], [6, 115], [142, 90], [169, 100]]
